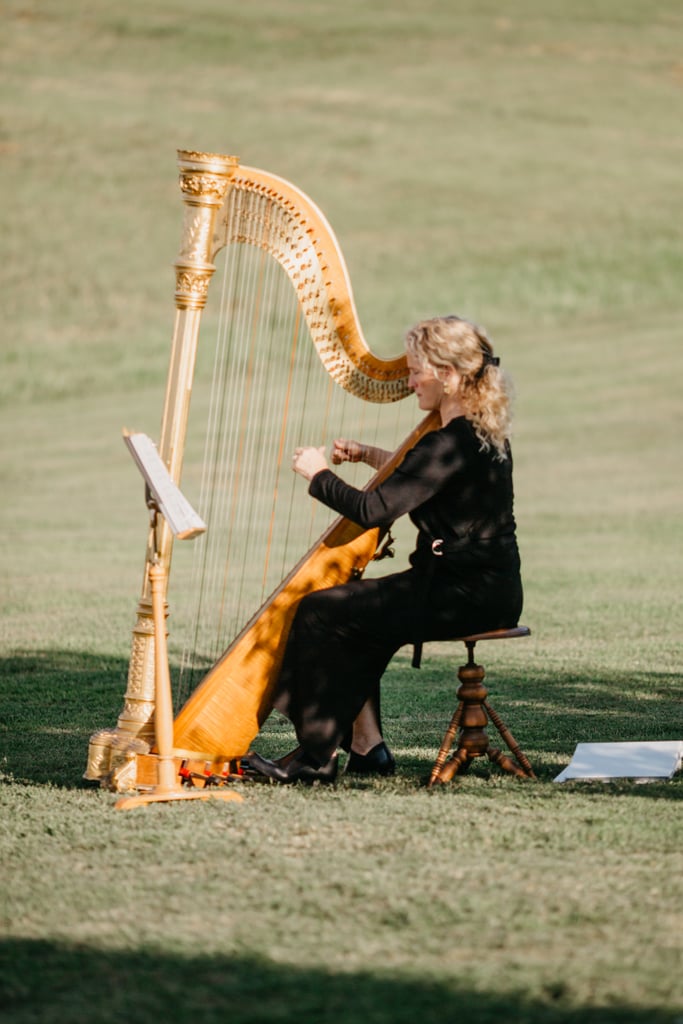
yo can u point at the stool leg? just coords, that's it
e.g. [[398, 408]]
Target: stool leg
[[508, 764], [460, 759], [448, 741], [469, 717], [512, 745]]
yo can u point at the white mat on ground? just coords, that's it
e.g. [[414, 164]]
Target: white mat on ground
[[639, 761]]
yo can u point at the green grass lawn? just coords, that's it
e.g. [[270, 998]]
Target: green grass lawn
[[517, 164]]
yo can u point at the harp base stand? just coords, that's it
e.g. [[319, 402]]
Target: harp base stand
[[127, 802], [168, 787]]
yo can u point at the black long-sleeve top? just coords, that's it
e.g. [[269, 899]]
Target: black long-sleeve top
[[453, 491]]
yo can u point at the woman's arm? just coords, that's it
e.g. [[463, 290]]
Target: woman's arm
[[309, 461], [353, 451], [422, 474]]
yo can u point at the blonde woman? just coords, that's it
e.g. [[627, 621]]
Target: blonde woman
[[456, 486]]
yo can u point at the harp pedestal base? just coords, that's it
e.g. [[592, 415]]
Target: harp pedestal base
[[201, 782], [192, 771], [471, 718], [168, 787]]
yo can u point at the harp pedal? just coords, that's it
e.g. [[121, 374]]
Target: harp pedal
[[206, 778]]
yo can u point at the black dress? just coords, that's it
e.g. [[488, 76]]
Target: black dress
[[464, 578]]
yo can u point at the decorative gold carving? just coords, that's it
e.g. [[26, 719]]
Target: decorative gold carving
[[192, 287], [99, 754], [137, 716], [123, 778], [208, 187], [140, 670], [205, 177], [260, 215], [196, 242], [122, 775], [228, 164]]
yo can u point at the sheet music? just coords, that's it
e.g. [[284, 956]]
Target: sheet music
[[173, 505], [640, 761]]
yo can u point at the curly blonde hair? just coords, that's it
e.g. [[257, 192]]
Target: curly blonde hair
[[486, 391]]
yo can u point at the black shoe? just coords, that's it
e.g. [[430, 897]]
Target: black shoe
[[299, 769], [245, 763], [378, 761]]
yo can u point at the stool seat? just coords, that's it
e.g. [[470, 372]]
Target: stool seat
[[472, 716]]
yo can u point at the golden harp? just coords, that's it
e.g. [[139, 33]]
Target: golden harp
[[286, 313]]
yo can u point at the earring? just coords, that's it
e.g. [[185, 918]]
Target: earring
[[446, 389]]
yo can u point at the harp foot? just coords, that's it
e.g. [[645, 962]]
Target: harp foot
[[126, 803]]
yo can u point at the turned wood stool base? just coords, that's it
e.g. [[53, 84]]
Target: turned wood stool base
[[471, 718]]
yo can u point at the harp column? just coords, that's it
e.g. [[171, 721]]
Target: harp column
[[204, 182]]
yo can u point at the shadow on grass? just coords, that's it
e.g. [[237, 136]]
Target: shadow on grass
[[52, 701], [43, 982], [50, 704]]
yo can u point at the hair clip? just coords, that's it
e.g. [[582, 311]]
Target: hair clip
[[487, 360]]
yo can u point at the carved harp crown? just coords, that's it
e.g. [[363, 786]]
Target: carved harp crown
[[279, 252]]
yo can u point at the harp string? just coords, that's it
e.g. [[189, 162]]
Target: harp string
[[230, 437], [252, 464], [266, 391], [221, 450], [300, 403], [324, 432], [280, 454], [262, 472], [237, 467]]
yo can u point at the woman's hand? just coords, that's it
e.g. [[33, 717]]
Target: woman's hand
[[354, 451], [347, 451], [309, 461]]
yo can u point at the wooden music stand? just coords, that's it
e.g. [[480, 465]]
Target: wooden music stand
[[163, 497]]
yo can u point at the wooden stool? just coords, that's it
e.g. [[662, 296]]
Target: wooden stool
[[471, 717]]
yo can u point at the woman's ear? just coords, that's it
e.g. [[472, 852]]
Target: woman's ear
[[451, 381]]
